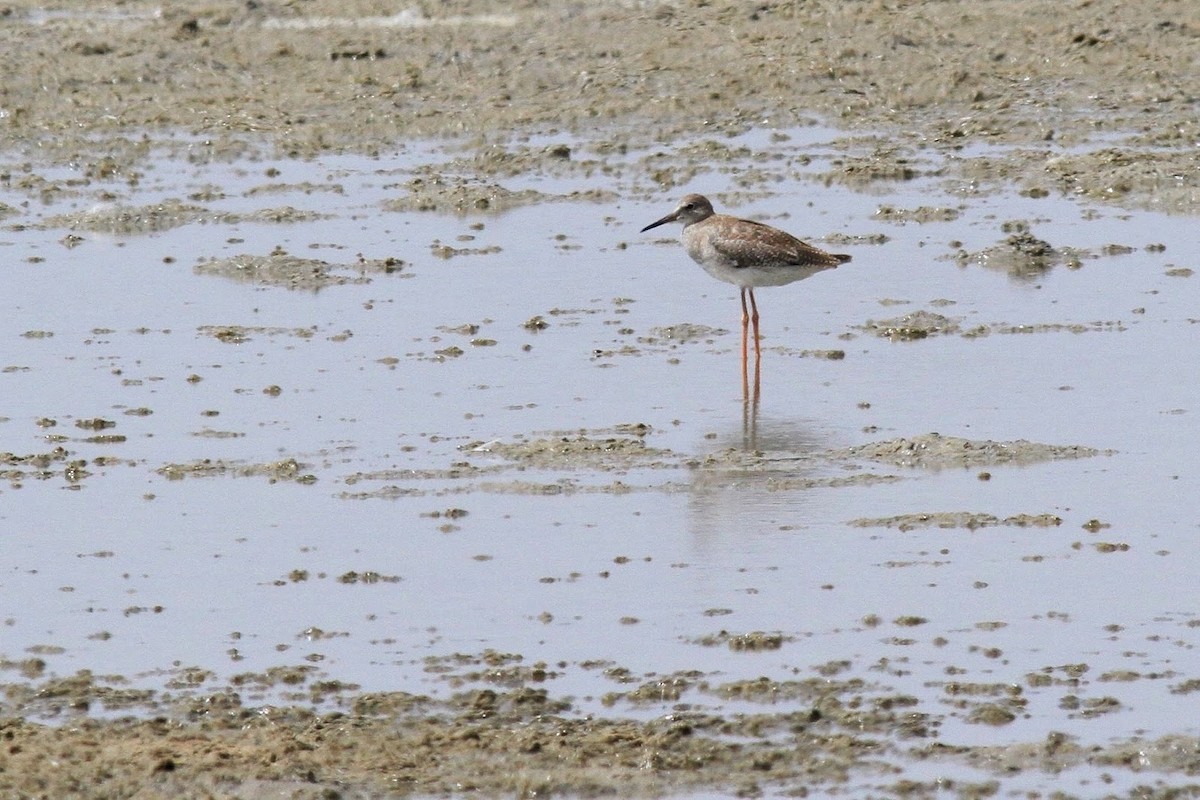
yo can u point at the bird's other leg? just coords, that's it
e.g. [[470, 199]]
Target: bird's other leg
[[745, 335], [754, 319], [746, 319]]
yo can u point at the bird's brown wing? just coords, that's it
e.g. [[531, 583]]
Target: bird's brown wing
[[755, 244]]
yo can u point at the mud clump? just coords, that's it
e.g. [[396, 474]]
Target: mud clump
[[131, 220], [911, 327], [1022, 255], [685, 332], [607, 453], [291, 272], [962, 519], [18, 467], [288, 470], [920, 215], [934, 451], [461, 196]]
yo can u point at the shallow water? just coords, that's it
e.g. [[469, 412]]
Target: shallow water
[[613, 557]]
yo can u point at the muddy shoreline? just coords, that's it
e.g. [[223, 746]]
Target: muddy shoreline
[[1095, 99], [1092, 99]]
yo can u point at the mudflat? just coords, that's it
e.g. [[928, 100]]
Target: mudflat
[[318, 77], [101, 88]]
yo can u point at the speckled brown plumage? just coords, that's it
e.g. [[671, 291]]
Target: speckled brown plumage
[[745, 253]]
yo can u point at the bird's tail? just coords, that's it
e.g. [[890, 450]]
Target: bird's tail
[[842, 258]]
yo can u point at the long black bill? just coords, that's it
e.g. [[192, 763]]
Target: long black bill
[[668, 218]]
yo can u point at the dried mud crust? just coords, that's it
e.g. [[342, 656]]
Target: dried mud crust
[[96, 88]]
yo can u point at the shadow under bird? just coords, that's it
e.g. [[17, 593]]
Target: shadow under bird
[[746, 253]]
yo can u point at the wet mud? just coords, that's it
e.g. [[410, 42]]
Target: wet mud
[[1091, 100], [104, 89]]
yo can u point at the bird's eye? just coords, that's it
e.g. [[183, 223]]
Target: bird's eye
[[689, 206]]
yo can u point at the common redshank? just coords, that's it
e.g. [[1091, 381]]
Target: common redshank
[[745, 253]]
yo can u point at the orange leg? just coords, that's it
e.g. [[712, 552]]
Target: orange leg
[[754, 319], [745, 336]]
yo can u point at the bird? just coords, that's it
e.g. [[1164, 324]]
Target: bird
[[747, 254]]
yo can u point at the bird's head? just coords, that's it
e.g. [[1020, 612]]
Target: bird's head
[[692, 208]]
